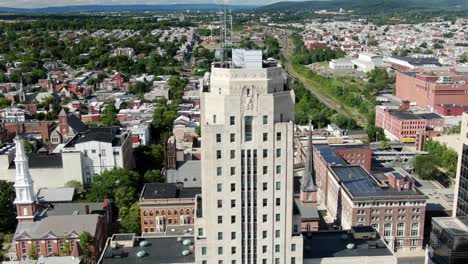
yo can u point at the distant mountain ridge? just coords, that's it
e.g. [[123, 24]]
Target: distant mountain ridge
[[121, 8], [371, 5]]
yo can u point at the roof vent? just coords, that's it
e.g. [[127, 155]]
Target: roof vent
[[141, 253]]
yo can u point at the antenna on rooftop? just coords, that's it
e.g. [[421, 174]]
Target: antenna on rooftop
[[225, 37]]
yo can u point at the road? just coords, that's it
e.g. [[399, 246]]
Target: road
[[325, 100]]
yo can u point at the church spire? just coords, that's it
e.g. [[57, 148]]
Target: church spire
[[25, 197], [309, 173]]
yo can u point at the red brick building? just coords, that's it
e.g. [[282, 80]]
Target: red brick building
[[450, 109], [166, 204], [400, 124], [354, 197], [53, 229], [430, 89], [45, 128]]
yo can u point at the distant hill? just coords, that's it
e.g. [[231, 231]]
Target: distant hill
[[121, 8], [365, 6]]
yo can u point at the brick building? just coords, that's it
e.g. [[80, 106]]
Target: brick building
[[44, 128], [430, 89], [166, 204], [353, 197], [400, 124], [53, 229]]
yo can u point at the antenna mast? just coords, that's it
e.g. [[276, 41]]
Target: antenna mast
[[225, 32]]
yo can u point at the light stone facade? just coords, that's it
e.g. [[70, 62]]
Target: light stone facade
[[247, 120], [47, 177]]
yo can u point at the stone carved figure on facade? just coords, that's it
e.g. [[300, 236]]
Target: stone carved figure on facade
[[250, 96]]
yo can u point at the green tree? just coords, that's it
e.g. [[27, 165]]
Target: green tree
[[108, 116], [138, 88], [7, 208], [75, 184], [3, 102], [425, 167], [118, 185], [27, 146], [154, 176], [86, 242], [32, 252], [130, 219]]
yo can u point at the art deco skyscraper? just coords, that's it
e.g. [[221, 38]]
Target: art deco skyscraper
[[247, 165]]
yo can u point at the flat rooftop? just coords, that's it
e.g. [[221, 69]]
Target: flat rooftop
[[418, 61], [404, 115], [158, 251], [168, 190], [360, 184], [328, 152], [40, 161], [440, 198], [453, 225], [329, 244]]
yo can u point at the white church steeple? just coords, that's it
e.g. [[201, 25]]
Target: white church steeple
[[25, 197]]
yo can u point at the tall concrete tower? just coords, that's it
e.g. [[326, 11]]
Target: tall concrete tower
[[25, 197], [245, 212]]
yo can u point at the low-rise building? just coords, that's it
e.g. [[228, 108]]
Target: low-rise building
[[358, 245], [400, 124], [50, 170], [166, 204], [341, 64], [432, 88], [102, 148], [128, 248], [53, 229], [69, 125], [352, 196], [401, 63], [366, 62]]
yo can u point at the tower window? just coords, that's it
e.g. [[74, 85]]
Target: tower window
[[232, 120], [248, 128]]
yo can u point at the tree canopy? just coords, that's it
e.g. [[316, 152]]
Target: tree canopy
[[7, 208]]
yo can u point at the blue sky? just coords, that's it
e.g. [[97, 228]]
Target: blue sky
[[45, 3]]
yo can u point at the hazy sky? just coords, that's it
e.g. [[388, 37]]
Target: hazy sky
[[45, 3]]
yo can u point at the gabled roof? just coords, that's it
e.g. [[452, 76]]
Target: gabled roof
[[57, 226], [76, 124]]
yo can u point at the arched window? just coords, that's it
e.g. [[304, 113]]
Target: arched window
[[175, 212], [163, 212], [151, 213], [157, 212], [145, 213], [181, 211], [187, 211], [169, 212]]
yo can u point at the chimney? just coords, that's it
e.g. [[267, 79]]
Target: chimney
[[87, 209], [405, 106]]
